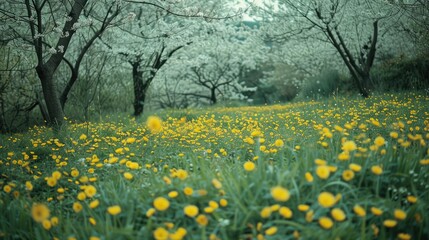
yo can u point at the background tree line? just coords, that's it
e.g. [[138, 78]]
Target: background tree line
[[84, 59]]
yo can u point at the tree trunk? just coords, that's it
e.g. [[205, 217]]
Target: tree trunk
[[213, 98], [139, 89], [50, 94]]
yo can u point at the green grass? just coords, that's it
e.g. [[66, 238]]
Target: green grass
[[204, 150]]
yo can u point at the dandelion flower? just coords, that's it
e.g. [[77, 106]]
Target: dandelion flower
[[181, 174], [94, 204], [249, 166], [377, 170], [265, 212], [399, 214], [173, 194], [379, 141], [390, 223], [359, 210], [160, 233], [150, 212], [271, 231], [280, 194], [326, 199], [128, 175], [188, 191], [161, 203], [348, 175], [92, 221], [154, 124], [202, 220], [51, 181], [28, 186], [376, 211], [40, 212], [412, 199], [349, 146], [323, 172], [191, 210], [326, 222], [114, 210], [77, 207], [223, 202], [338, 214], [309, 177], [279, 143], [355, 167], [46, 224], [285, 212], [216, 183], [404, 236]]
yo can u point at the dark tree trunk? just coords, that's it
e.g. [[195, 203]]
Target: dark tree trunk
[[213, 98], [50, 94], [139, 89]]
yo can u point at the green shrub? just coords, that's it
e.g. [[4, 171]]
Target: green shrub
[[324, 85]]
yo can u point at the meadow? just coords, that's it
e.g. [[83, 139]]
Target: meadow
[[341, 168]]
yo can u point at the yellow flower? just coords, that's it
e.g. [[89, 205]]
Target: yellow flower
[[249, 166], [56, 175], [344, 156], [376, 211], [265, 212], [323, 172], [94, 204], [28, 186], [348, 175], [81, 196], [46, 224], [94, 238], [74, 173], [114, 210], [173, 194], [303, 207], [394, 135], [77, 207], [202, 220], [349, 146], [213, 204], [379, 141], [326, 199], [355, 167], [150, 212], [181, 174], [399, 214], [326, 222], [161, 203], [279, 143], [359, 210], [128, 176], [280, 194], [223, 202], [7, 188], [271, 231], [216, 183], [377, 170], [285, 212], [54, 221], [130, 140], [309, 216], [160, 233], [338, 214], [309, 177], [82, 137], [188, 191], [92, 221], [191, 210], [412, 199], [40, 212], [390, 223], [404, 236], [154, 124], [51, 181]]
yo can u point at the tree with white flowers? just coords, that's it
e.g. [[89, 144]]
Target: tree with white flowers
[[354, 30]]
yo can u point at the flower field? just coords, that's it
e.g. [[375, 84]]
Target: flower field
[[335, 169]]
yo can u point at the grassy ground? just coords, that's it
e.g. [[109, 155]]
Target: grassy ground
[[337, 169]]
